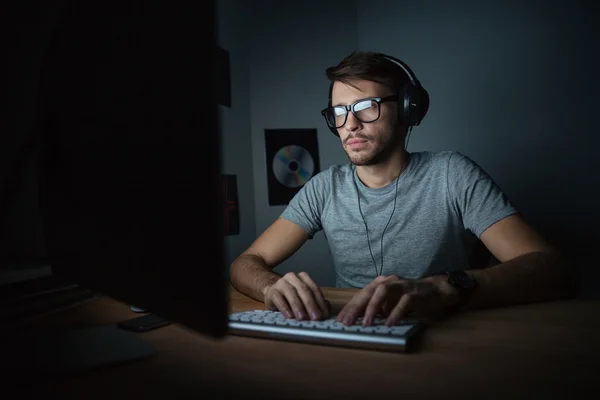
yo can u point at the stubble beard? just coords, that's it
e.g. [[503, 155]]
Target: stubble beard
[[392, 144]]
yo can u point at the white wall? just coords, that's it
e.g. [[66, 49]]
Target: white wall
[[292, 44], [513, 85]]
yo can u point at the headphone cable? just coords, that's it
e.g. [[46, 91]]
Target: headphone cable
[[408, 137], [377, 273]]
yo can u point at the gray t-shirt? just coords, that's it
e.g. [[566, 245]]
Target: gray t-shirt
[[444, 200]]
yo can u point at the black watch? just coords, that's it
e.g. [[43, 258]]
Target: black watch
[[464, 283]]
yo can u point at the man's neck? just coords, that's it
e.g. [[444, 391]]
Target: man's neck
[[382, 174]]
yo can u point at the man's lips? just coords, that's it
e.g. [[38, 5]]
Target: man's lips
[[351, 141], [356, 143]]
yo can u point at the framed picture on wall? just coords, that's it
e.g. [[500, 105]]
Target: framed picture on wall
[[292, 159], [230, 205]]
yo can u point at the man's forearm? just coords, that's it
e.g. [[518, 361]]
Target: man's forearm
[[529, 278], [250, 275]]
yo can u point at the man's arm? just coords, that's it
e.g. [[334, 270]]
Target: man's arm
[[530, 269], [251, 275], [295, 295], [252, 272]]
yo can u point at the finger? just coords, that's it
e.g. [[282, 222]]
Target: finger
[[357, 304], [350, 311], [306, 296], [386, 308], [355, 307], [277, 299], [400, 310], [380, 295], [293, 298], [317, 295]]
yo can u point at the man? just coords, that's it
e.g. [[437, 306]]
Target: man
[[399, 225]]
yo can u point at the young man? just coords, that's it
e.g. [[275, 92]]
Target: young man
[[399, 225]]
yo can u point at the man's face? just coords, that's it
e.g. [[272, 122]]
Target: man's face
[[373, 142]]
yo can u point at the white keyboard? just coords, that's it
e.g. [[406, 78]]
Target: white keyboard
[[274, 325]]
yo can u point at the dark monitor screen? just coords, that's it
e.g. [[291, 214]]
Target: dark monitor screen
[[127, 117]]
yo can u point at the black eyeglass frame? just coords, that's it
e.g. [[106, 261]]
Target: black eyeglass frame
[[350, 107]]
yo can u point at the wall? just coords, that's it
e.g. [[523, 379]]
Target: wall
[[292, 44], [513, 85], [232, 26]]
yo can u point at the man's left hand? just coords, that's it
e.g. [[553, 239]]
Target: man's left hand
[[395, 298]]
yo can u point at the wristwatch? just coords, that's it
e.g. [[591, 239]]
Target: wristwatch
[[464, 283]]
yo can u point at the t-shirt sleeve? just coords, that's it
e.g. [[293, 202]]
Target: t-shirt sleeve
[[477, 199], [307, 205]]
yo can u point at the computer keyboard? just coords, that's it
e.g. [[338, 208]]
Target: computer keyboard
[[274, 325]]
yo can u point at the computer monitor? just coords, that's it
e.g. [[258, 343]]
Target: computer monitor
[[127, 118]]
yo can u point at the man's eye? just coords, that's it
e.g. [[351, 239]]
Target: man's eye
[[362, 105], [339, 111]]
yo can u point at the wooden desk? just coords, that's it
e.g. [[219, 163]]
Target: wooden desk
[[546, 350]]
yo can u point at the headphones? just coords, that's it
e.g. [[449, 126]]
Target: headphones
[[413, 99]]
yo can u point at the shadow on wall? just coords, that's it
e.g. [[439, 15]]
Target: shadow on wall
[[553, 191]]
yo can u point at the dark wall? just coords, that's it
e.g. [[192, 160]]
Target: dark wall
[[513, 85]]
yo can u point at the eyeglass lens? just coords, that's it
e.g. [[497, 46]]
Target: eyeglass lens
[[364, 110]]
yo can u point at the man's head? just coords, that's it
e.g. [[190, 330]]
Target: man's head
[[366, 105]]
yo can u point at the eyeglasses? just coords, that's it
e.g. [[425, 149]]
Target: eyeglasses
[[365, 110]]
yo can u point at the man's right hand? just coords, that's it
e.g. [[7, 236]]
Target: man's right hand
[[297, 296]]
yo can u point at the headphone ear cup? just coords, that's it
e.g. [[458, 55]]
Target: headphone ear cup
[[404, 97], [423, 104], [414, 104]]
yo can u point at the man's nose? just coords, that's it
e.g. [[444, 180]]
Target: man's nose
[[352, 123]]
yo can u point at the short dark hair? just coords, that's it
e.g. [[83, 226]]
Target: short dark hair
[[368, 65]]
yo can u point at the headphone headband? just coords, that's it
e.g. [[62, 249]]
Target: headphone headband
[[411, 76]]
